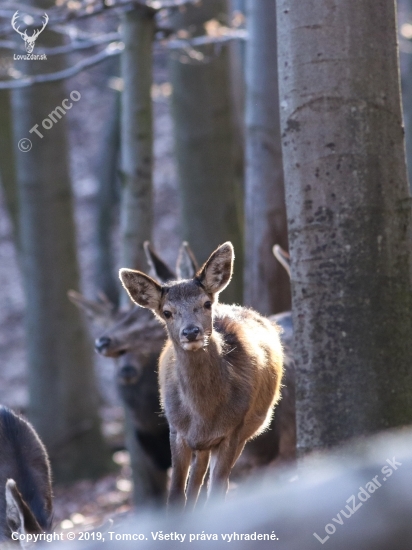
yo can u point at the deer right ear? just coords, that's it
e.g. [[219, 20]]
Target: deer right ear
[[142, 289], [215, 275]]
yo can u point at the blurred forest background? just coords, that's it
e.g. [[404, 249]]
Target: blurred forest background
[[177, 136]]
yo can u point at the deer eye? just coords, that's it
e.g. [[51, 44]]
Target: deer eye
[[207, 305], [167, 314]]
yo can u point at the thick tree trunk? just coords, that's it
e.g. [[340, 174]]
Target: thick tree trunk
[[266, 283], [63, 399], [349, 215], [7, 162], [136, 137], [207, 147]]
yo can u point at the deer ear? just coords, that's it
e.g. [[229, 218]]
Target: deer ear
[[282, 257], [186, 265], [101, 312], [19, 517], [142, 289], [215, 275], [158, 269]]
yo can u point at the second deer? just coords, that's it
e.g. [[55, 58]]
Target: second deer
[[219, 374]]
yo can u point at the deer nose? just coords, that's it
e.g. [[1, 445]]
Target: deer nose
[[191, 333], [127, 375], [102, 343]]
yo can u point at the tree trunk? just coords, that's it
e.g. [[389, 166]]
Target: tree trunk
[[207, 148], [63, 399], [107, 203], [136, 137], [266, 283], [349, 216], [405, 8], [137, 199], [237, 68], [7, 162]]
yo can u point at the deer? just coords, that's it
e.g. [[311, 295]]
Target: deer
[[25, 480], [134, 339], [29, 41], [219, 373]]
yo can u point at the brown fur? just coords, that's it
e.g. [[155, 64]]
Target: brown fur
[[219, 373]]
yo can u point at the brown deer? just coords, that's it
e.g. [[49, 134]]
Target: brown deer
[[134, 339], [219, 374], [25, 480]]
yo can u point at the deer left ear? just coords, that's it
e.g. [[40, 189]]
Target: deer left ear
[[19, 517], [216, 273]]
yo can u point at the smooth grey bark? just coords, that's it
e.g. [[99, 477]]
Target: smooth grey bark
[[136, 137], [238, 5], [137, 198], [237, 54], [107, 204], [349, 216], [405, 8], [7, 162], [207, 144], [63, 398], [266, 283]]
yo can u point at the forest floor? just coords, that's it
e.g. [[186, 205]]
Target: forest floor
[[87, 504]]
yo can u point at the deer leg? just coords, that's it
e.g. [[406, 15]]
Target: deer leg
[[181, 455], [197, 474], [224, 457]]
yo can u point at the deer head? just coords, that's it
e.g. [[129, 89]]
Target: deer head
[[29, 41]]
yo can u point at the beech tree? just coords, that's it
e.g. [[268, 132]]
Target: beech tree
[[7, 161], [349, 217], [405, 9], [137, 197], [63, 398], [107, 203], [266, 283], [207, 143], [136, 137]]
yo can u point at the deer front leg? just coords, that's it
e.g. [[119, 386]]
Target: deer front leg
[[223, 459], [198, 469], [181, 455]]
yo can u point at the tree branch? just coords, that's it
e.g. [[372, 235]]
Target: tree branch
[[67, 48], [229, 34], [115, 48]]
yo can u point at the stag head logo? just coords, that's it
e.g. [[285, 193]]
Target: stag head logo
[[29, 41]]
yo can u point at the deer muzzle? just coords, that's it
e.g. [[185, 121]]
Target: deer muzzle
[[191, 338]]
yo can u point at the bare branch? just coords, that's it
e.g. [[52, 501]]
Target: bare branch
[[59, 15], [229, 34], [115, 48], [67, 48]]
